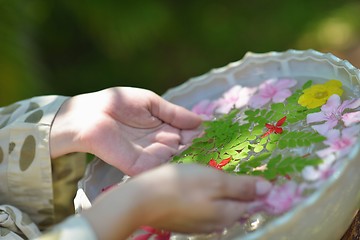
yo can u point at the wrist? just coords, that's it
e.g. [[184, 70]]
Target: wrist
[[157, 208], [117, 214], [61, 139]]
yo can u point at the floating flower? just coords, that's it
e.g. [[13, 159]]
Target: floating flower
[[159, 234], [320, 172], [339, 143], [220, 165], [274, 128], [332, 112], [318, 94], [235, 97], [351, 118], [272, 89], [280, 199], [205, 109]]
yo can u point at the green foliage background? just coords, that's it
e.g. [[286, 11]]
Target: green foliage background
[[69, 47]]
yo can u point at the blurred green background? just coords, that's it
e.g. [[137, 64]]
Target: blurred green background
[[69, 47]]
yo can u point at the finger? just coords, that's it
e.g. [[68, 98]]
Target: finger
[[174, 115], [229, 212], [152, 156], [244, 188], [169, 136], [224, 214], [188, 135]]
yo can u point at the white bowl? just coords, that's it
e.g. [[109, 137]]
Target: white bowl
[[327, 213]]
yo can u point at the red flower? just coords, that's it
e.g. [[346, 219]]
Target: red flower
[[159, 234], [274, 128], [220, 165]]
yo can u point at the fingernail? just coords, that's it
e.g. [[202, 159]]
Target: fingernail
[[262, 187]]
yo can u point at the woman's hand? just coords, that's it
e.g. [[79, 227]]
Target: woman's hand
[[185, 198], [132, 129]]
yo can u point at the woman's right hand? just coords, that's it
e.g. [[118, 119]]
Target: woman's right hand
[[185, 198]]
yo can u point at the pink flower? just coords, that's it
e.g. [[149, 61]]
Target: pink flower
[[282, 198], [279, 200], [235, 97], [205, 109], [321, 172], [152, 232], [272, 89], [332, 112], [339, 143], [351, 118]]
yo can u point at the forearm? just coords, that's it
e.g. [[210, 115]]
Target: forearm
[[118, 213]]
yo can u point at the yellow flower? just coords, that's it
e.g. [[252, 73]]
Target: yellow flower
[[318, 94]]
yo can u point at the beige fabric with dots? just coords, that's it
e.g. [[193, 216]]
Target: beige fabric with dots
[[31, 182], [74, 227], [15, 224]]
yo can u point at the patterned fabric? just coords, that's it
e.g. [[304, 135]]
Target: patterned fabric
[[31, 182], [67, 171], [14, 224], [74, 227]]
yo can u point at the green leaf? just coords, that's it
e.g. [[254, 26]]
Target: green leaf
[[242, 155], [258, 148], [292, 143], [270, 146], [263, 140], [274, 161], [279, 166], [242, 145], [299, 139], [252, 137], [258, 130], [307, 84], [269, 174], [277, 107], [275, 137], [282, 144]]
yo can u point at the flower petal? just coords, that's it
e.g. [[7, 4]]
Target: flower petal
[[325, 152], [351, 132], [351, 104], [204, 107], [325, 127], [281, 95], [244, 97], [212, 163], [284, 83], [233, 92], [310, 173], [282, 198], [332, 103], [281, 121], [267, 83], [224, 108], [333, 83], [258, 101], [351, 118], [332, 136], [315, 117]]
